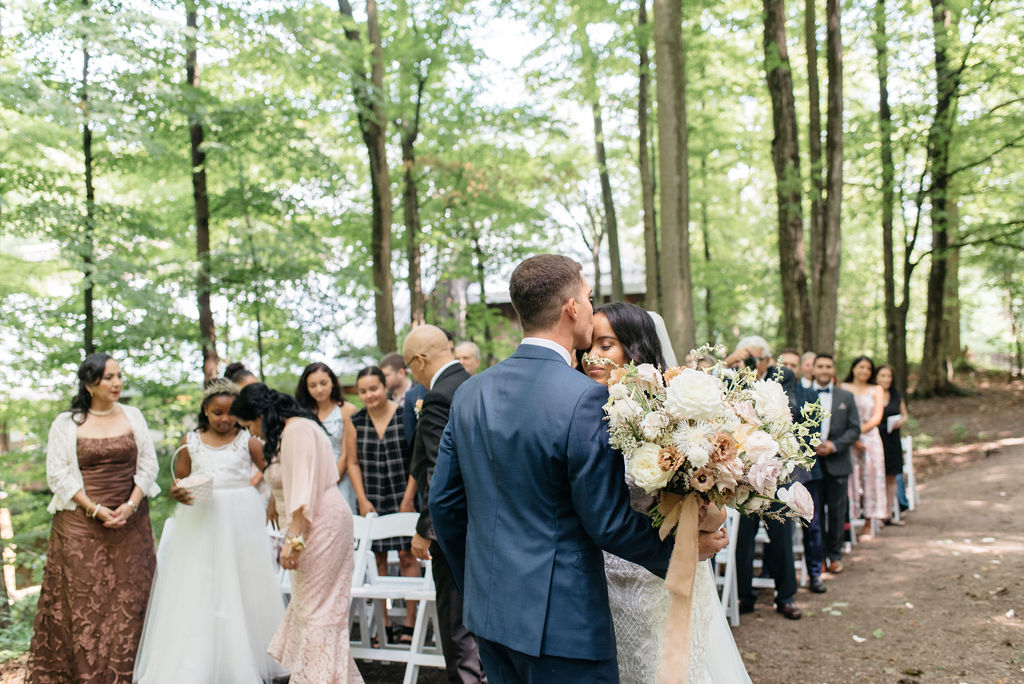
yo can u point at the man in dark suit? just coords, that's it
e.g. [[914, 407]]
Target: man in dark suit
[[427, 355], [527, 492], [838, 433], [754, 352]]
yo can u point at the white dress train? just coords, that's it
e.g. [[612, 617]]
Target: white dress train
[[215, 603]]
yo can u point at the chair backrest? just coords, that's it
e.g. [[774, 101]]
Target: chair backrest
[[394, 525], [361, 529]]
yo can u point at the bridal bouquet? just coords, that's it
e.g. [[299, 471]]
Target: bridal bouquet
[[732, 443]]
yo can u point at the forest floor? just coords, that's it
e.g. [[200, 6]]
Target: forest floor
[[938, 600]]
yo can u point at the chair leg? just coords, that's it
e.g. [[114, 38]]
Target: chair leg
[[419, 634]]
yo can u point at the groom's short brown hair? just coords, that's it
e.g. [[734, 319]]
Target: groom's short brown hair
[[540, 285]]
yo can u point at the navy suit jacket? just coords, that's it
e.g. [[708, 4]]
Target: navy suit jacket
[[525, 494]]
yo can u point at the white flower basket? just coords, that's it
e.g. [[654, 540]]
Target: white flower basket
[[198, 485]]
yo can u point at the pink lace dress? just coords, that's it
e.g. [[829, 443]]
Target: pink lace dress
[[313, 640], [867, 482]]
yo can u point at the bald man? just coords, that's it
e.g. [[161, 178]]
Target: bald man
[[428, 356]]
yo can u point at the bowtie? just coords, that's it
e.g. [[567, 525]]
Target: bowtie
[[823, 390]]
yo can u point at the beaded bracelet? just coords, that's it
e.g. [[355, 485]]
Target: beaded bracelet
[[95, 511], [135, 509]]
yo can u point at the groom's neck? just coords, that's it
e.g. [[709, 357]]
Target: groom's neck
[[559, 337]]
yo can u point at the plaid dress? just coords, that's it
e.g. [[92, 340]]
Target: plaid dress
[[385, 466]]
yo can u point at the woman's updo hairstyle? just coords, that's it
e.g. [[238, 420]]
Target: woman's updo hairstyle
[[636, 332], [375, 371], [89, 373], [259, 401], [215, 388]]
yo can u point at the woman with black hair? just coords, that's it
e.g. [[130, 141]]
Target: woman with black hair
[[867, 481], [240, 375], [312, 640], [319, 391], [215, 598], [101, 467]]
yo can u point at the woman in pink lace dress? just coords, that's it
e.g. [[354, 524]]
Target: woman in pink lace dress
[[312, 640], [867, 482]]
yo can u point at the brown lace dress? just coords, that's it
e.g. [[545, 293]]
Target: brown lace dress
[[97, 580]]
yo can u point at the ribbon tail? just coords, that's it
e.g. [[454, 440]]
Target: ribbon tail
[[675, 647]]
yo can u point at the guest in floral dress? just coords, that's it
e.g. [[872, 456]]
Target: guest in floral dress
[[867, 482], [313, 639], [382, 480], [101, 467]]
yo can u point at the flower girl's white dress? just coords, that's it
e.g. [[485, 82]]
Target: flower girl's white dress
[[639, 606], [215, 603]]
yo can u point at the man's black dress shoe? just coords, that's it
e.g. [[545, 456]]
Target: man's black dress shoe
[[746, 608], [817, 585], [788, 610]]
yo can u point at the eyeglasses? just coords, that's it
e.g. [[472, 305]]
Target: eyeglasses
[[408, 362]]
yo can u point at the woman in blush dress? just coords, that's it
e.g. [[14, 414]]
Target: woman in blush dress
[[215, 603], [867, 482], [312, 640], [101, 467], [638, 600], [319, 391]]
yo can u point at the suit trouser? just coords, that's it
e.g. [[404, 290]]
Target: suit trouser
[[835, 497], [461, 655], [505, 665], [781, 536], [814, 541]]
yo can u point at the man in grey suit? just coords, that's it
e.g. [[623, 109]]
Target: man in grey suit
[[838, 433]]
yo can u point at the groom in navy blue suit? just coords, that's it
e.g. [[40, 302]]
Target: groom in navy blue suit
[[527, 492]]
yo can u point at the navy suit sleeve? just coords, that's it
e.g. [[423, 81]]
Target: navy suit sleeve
[[447, 503], [599, 493], [851, 430]]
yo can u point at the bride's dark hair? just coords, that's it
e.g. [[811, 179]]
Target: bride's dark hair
[[636, 332], [259, 401]]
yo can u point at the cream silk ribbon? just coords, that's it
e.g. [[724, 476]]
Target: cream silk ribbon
[[675, 646]]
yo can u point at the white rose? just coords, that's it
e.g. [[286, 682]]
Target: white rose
[[694, 395], [760, 445], [623, 411], [618, 391], [771, 401], [764, 475], [653, 424], [799, 499], [643, 467]]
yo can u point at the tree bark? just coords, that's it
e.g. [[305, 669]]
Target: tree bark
[[481, 276], [411, 210], [367, 91], [933, 380], [786, 160], [674, 195], [827, 258], [89, 236], [611, 223], [817, 216], [652, 294], [705, 229], [201, 200]]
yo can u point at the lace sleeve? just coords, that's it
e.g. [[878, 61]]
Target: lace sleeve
[[62, 474], [146, 467]]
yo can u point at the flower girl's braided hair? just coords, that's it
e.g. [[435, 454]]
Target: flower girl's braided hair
[[215, 388], [259, 401]]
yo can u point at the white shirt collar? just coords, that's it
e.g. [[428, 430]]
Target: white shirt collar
[[553, 346], [827, 388], [440, 370]]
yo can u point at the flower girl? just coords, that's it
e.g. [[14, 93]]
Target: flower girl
[[215, 603]]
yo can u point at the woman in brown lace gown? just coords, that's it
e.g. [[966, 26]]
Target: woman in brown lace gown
[[101, 467]]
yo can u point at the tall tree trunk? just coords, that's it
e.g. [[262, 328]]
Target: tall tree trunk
[[373, 126], [652, 295], [207, 330], [786, 159], [411, 210], [1016, 329], [951, 298], [481, 276], [676, 284], [705, 230], [817, 204], [89, 237], [933, 379], [827, 259], [611, 224]]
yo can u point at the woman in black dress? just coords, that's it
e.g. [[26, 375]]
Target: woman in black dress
[[896, 407]]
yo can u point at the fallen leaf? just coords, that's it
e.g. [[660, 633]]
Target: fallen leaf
[[859, 640], [913, 672], [878, 634], [987, 540], [976, 576], [1010, 613], [908, 604]]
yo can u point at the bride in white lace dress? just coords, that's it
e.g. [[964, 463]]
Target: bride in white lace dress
[[639, 601]]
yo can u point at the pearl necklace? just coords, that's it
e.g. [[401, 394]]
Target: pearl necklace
[[103, 413]]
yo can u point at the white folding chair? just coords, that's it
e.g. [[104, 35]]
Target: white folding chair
[[361, 610], [382, 589], [725, 570], [908, 472]]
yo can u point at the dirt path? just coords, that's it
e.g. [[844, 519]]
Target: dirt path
[[928, 602]]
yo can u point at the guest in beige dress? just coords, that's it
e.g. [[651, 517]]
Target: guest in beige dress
[[313, 639]]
